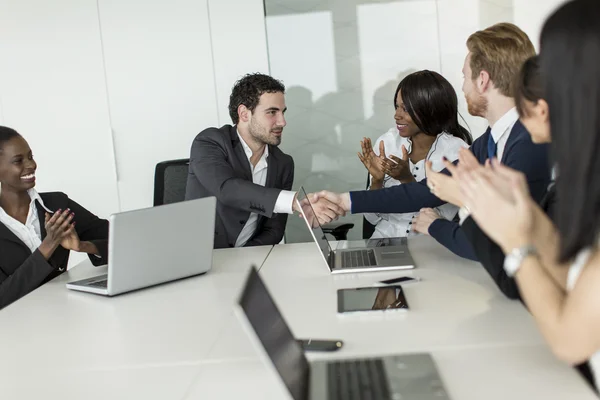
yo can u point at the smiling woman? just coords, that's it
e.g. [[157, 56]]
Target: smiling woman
[[38, 230]]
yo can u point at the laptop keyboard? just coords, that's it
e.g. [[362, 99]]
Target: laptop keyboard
[[360, 379], [358, 258], [99, 284]]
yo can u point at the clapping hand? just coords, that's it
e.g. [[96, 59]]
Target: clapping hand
[[58, 228], [447, 187], [372, 162], [499, 201], [398, 168], [70, 239]]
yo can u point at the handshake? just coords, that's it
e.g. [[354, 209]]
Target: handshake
[[323, 207]]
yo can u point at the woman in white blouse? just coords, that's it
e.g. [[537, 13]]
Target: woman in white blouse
[[427, 129]]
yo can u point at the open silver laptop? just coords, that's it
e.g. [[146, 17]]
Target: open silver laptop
[[371, 257], [155, 245], [410, 376]]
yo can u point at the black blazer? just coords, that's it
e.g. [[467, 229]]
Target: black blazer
[[22, 271], [219, 167]]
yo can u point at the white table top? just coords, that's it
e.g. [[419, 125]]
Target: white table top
[[181, 341], [485, 345], [56, 328], [456, 305]]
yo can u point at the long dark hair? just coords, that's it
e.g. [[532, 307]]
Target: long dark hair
[[528, 85], [432, 104], [570, 55]]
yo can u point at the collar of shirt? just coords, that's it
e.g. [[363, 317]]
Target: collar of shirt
[[262, 163], [30, 232], [504, 124], [33, 195]]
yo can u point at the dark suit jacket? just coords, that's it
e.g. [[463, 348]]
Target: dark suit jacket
[[219, 167], [520, 153], [22, 271]]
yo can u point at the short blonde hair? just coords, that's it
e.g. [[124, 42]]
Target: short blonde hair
[[500, 50]]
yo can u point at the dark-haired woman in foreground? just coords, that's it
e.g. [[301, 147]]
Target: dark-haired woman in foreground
[[427, 129], [557, 267], [37, 230]]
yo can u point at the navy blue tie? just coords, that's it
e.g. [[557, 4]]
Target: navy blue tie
[[492, 147]]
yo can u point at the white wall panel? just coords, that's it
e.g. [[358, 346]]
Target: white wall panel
[[530, 15], [52, 91], [161, 85], [239, 45], [457, 21]]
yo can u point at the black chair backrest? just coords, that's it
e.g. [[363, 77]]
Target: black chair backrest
[[170, 178], [368, 228]]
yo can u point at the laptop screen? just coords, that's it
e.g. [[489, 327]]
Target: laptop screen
[[276, 337], [313, 224]]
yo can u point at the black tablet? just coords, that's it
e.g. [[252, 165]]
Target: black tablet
[[388, 298]]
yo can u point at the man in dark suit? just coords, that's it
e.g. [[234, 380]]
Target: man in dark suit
[[244, 169]]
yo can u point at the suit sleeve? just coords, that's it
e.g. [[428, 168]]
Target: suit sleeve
[[451, 235], [208, 163], [409, 197], [274, 228], [28, 277], [491, 257], [90, 228]]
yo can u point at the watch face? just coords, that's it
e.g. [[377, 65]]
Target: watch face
[[511, 264], [514, 260]]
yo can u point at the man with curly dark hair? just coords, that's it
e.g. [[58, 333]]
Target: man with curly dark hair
[[244, 169]]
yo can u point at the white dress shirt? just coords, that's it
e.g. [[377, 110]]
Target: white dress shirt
[[502, 128], [284, 202], [30, 232], [399, 225], [500, 133]]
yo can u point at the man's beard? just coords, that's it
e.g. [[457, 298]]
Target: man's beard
[[260, 134], [478, 106]]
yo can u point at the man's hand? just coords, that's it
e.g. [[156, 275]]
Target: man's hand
[[319, 209], [342, 200], [424, 220], [326, 210]]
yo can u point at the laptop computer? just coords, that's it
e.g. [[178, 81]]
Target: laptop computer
[[410, 376], [155, 245], [372, 257]]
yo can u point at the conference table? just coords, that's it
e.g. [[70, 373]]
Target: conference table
[[181, 340]]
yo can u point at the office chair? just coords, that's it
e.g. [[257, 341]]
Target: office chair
[[339, 230], [170, 178]]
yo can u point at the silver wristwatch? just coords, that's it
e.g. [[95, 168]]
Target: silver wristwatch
[[514, 259]]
